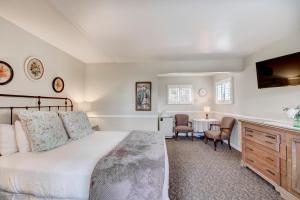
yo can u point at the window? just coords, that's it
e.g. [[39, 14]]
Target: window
[[180, 94], [224, 92]]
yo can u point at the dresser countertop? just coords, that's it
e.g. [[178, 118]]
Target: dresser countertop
[[274, 124]]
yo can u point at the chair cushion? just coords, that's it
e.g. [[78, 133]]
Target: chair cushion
[[182, 120], [216, 134], [183, 129]]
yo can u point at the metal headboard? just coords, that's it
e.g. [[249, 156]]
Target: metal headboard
[[67, 103]]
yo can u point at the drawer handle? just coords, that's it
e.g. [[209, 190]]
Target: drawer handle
[[268, 158], [269, 171], [249, 135], [250, 149], [272, 137], [249, 131], [250, 160], [269, 142]]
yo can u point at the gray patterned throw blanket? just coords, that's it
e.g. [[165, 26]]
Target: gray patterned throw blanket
[[134, 170]]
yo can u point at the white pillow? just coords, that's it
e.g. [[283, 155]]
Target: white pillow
[[45, 129], [22, 138], [8, 143], [77, 124]]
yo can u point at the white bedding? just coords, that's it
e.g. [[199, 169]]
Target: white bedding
[[62, 173]]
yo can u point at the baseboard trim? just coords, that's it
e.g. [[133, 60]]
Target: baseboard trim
[[238, 148]]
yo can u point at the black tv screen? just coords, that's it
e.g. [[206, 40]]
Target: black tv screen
[[278, 72]]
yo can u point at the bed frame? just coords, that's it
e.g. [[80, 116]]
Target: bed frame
[[67, 103]]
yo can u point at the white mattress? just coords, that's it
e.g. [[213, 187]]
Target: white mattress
[[62, 173]]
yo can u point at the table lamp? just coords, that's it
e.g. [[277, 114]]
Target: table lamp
[[206, 110]]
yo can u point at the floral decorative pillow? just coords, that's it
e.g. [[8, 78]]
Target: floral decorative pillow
[[77, 124], [45, 129]]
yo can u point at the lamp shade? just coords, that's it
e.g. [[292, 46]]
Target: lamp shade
[[206, 109], [85, 106]]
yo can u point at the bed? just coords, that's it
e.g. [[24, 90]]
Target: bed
[[63, 173]]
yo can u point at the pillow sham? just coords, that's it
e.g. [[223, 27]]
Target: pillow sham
[[77, 124], [8, 144], [44, 129], [22, 138]]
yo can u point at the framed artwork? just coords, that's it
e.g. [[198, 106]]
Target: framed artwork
[[143, 96], [34, 68], [6, 73], [58, 84]]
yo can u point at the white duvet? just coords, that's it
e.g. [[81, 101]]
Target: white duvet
[[64, 172]]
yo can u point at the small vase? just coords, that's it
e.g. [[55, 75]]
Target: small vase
[[297, 121]]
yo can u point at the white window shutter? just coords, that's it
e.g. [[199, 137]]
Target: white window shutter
[[173, 95], [180, 94], [224, 93]]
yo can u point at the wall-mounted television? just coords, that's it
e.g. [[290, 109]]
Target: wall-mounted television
[[278, 72]]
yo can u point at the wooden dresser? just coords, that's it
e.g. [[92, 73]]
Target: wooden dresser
[[273, 152]]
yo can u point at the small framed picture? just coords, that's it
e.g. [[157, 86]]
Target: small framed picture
[[143, 96], [34, 68], [6, 73], [58, 84]]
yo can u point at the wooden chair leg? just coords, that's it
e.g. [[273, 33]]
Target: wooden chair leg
[[229, 144], [222, 142], [205, 139], [176, 135], [215, 144]]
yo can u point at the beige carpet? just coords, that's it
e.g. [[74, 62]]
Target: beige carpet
[[197, 172]]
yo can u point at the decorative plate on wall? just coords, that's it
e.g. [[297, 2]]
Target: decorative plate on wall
[[58, 84], [202, 92], [34, 68], [6, 73]]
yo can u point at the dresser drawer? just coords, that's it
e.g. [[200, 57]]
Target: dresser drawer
[[267, 171], [259, 152], [271, 141]]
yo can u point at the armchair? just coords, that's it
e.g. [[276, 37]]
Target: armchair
[[183, 125], [224, 133]]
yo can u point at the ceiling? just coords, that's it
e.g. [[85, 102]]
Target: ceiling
[[168, 30], [133, 30]]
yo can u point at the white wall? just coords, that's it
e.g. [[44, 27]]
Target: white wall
[[44, 21], [249, 101], [16, 46], [111, 89]]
